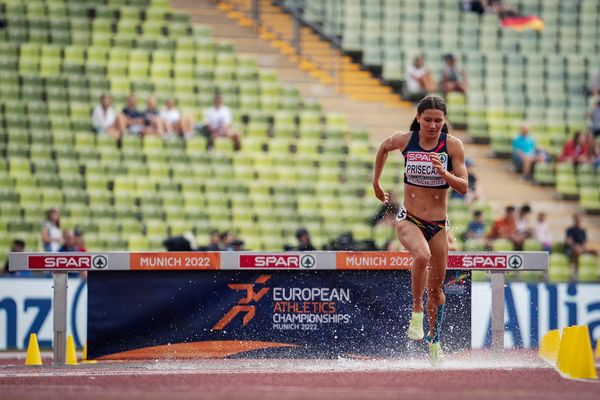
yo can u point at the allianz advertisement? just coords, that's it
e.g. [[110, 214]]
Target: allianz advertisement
[[530, 311]]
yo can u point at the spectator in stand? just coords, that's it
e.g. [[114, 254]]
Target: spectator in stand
[[17, 246], [505, 227], [227, 239], [174, 122], [454, 78], [153, 124], [525, 152], [502, 9], [575, 241], [133, 118], [571, 151], [69, 242], [476, 6], [105, 119], [419, 80], [594, 85], [472, 194], [594, 115], [524, 229], [387, 212], [218, 123], [51, 234], [304, 242], [79, 240], [215, 241], [475, 227], [542, 232]]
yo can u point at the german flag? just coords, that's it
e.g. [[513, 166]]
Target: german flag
[[522, 23]]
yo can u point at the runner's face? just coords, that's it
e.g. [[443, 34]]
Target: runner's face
[[431, 121]]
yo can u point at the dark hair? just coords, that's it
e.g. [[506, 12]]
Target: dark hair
[[477, 213], [525, 209], [19, 242], [430, 102], [510, 209]]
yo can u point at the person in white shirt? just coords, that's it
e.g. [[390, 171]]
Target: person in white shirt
[[105, 119], [217, 123], [419, 80], [542, 232], [51, 234], [174, 122]]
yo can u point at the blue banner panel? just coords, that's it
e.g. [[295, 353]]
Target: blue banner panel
[[262, 313]]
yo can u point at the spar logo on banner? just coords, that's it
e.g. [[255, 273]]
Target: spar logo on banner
[[245, 306], [59, 262], [488, 261], [277, 261]]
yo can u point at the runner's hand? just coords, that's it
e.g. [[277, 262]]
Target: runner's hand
[[437, 164], [380, 193]]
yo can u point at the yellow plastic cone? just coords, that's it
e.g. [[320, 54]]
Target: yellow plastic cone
[[84, 359], [33, 351], [549, 346], [583, 366], [566, 349], [71, 354], [598, 349]]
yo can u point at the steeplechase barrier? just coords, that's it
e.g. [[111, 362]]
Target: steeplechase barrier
[[354, 298]]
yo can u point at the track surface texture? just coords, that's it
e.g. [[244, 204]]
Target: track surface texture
[[512, 375]]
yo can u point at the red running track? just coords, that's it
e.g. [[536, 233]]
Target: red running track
[[459, 379]]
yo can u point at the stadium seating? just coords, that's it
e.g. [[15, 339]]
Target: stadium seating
[[59, 57]]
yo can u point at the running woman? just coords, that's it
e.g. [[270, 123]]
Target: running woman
[[434, 161]]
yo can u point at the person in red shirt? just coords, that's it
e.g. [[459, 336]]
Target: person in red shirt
[[504, 227]]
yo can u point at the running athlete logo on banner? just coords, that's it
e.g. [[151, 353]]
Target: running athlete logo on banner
[[243, 307]]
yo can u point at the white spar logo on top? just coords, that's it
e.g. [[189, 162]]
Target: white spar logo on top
[[480, 261]]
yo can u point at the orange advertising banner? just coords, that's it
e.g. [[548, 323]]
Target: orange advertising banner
[[373, 260], [170, 261]]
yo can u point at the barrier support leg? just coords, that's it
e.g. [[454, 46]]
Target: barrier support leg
[[60, 317], [497, 310]]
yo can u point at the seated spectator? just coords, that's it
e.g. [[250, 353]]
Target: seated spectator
[[69, 242], [525, 152], [524, 229], [174, 122], [218, 123], [419, 80], [17, 246], [475, 227], [576, 241], [215, 241], [472, 194], [153, 124], [542, 232], [51, 234], [104, 118], [571, 151], [79, 240], [133, 119], [594, 115], [453, 77], [387, 212], [304, 242], [594, 85], [502, 9], [505, 227], [476, 6]]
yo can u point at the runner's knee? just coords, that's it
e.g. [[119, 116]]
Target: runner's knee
[[421, 257]]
